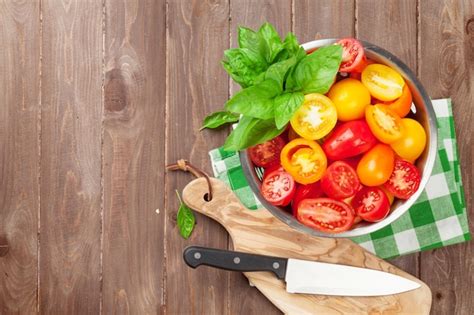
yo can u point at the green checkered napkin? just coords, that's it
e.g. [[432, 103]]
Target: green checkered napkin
[[438, 218]]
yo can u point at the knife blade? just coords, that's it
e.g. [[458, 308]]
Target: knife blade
[[304, 276]]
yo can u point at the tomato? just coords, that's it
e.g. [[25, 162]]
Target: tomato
[[310, 191], [315, 118], [376, 165], [278, 187], [349, 139], [325, 214], [404, 181], [350, 97], [385, 124], [402, 105], [292, 135], [304, 160], [340, 181], [353, 161], [383, 82], [390, 196], [352, 54], [267, 153], [371, 204], [413, 141]]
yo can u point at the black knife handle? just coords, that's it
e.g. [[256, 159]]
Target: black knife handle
[[195, 256]]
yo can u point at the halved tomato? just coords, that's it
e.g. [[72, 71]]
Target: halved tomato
[[278, 187], [371, 204], [385, 124], [352, 54], [267, 153], [376, 165], [401, 105], [340, 181], [304, 160], [315, 118], [404, 181], [325, 214], [383, 82], [309, 191]]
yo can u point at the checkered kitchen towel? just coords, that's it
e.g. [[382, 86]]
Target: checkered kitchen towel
[[438, 218]]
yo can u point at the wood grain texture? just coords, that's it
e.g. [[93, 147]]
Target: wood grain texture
[[71, 157], [446, 50], [260, 232], [198, 33], [392, 25], [133, 157], [19, 155]]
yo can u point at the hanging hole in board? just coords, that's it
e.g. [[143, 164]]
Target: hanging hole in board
[[206, 197]]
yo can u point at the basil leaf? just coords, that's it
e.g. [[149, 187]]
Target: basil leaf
[[255, 101], [278, 71], [244, 65], [249, 39], [285, 107], [251, 131], [218, 119], [315, 73], [271, 42], [185, 219]]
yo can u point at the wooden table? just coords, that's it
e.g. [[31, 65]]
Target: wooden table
[[97, 96]]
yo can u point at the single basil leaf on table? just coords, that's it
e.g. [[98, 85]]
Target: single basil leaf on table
[[218, 119], [251, 131], [285, 107], [272, 44], [315, 73], [255, 101], [185, 219], [244, 65], [278, 71]]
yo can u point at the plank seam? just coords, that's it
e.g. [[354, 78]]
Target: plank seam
[[39, 143]]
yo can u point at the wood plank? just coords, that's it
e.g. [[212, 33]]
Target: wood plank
[[133, 157], [392, 25], [447, 70], [71, 157], [244, 298], [19, 155], [198, 33]]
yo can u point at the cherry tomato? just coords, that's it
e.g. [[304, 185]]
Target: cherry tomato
[[278, 187], [383, 82], [404, 181], [349, 139], [353, 161], [352, 54], [402, 105], [390, 196], [267, 153], [376, 165], [413, 141], [340, 181], [292, 135], [385, 124], [371, 204], [350, 97], [310, 191], [325, 214], [304, 160], [315, 118]]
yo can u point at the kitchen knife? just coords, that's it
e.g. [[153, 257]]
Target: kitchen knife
[[304, 276]]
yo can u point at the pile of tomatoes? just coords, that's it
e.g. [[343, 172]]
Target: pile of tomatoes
[[346, 155]]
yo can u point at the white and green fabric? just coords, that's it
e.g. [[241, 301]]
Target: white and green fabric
[[438, 218]]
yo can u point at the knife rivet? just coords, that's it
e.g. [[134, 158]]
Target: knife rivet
[[236, 260], [276, 265], [197, 255]]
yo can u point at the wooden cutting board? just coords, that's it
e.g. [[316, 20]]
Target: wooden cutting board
[[260, 232]]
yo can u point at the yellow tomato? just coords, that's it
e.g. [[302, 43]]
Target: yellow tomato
[[350, 97], [413, 141], [390, 196], [383, 82], [315, 118], [384, 123], [376, 165]]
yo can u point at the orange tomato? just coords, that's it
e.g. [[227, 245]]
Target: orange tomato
[[383, 82], [384, 123], [402, 105], [376, 165], [390, 196], [413, 141], [304, 160]]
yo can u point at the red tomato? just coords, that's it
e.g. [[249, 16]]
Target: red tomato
[[349, 139], [353, 161], [325, 214], [309, 191], [371, 204], [267, 153], [278, 187], [404, 181], [340, 181], [352, 54]]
